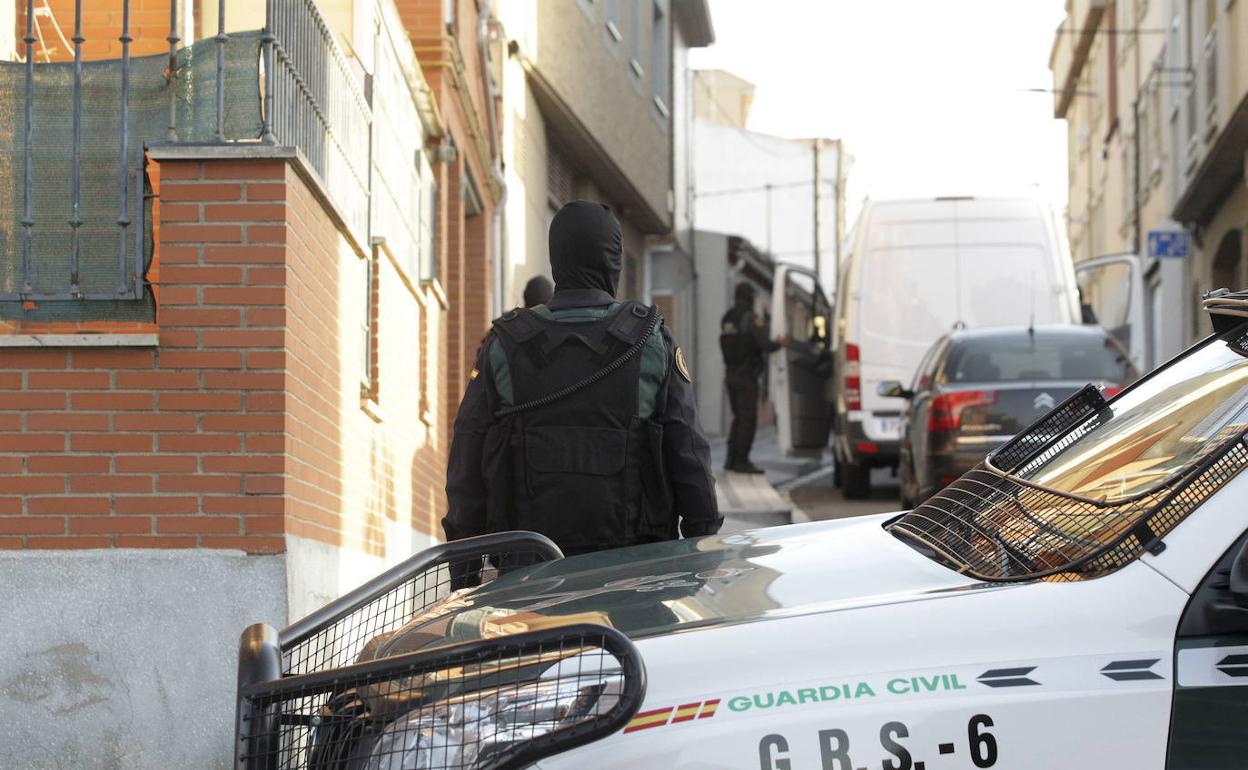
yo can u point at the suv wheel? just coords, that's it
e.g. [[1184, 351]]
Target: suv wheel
[[855, 481]]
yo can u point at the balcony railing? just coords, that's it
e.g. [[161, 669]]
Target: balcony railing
[[75, 214]]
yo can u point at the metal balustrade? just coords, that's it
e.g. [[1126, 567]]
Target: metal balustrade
[[288, 84]]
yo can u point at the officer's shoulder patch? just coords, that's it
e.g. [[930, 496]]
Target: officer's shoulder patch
[[682, 366], [759, 322], [474, 374]]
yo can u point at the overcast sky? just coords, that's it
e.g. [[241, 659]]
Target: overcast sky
[[928, 95]]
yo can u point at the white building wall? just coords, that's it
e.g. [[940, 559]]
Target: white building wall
[[733, 168], [127, 658]]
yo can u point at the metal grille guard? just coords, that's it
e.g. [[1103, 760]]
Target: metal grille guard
[[334, 635], [489, 704], [1000, 528], [330, 641], [1043, 435]]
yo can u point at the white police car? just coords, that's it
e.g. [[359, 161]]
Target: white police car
[[1078, 601]]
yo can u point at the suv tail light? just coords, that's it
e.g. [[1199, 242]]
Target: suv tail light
[[946, 410], [853, 378], [1109, 391]]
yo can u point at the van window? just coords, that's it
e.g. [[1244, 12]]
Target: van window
[[1001, 285], [908, 294], [1105, 294]]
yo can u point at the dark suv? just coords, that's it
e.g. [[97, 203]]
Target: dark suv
[[974, 389]]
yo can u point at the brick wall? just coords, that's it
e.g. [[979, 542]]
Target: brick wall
[[458, 358], [245, 424], [365, 472], [101, 26], [178, 446]]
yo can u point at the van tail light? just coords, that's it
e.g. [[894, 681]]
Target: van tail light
[[853, 378], [1109, 391], [945, 414]]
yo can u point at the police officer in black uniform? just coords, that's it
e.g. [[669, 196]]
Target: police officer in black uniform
[[538, 291], [579, 418], [744, 342]]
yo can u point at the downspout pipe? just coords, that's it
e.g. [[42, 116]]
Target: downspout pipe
[[496, 165]]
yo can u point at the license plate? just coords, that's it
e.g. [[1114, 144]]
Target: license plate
[[887, 426]]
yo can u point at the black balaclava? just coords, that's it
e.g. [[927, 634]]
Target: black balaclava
[[537, 291], [743, 297], [586, 247]]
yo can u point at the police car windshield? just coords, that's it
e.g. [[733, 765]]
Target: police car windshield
[[1156, 428]]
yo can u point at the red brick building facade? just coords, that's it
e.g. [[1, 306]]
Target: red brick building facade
[[276, 432]]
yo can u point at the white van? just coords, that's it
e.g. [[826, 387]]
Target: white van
[[916, 269]]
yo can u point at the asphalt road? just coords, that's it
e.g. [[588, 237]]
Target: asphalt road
[[817, 497]]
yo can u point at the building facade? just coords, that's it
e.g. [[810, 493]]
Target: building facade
[[1153, 93], [234, 323], [1209, 41], [753, 202], [588, 100]]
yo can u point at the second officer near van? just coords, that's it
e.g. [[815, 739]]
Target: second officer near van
[[579, 421], [744, 343]]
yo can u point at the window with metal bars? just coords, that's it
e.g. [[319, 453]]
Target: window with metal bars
[[76, 221]]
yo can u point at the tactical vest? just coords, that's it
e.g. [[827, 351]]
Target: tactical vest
[[587, 469]]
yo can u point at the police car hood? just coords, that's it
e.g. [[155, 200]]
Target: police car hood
[[664, 588]]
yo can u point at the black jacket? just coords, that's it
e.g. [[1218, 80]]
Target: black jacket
[[745, 343], [585, 260]]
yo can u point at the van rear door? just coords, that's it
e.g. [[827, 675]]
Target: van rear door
[[1111, 293], [801, 374]]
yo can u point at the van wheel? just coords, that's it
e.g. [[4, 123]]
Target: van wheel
[[855, 481], [904, 482], [906, 501]]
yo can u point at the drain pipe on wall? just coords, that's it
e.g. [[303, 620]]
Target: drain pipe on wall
[[484, 25]]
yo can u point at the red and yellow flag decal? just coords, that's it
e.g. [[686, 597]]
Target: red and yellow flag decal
[[647, 719], [672, 714]]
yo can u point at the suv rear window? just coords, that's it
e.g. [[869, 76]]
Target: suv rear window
[[1039, 356], [1155, 429]]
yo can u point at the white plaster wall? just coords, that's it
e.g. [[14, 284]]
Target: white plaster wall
[[744, 162], [127, 658], [317, 573]]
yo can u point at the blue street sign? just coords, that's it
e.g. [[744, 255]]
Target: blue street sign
[[1168, 243]]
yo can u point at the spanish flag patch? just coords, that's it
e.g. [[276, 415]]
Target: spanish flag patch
[[673, 715]]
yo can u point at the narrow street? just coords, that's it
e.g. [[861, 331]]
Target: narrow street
[[818, 498], [803, 485]]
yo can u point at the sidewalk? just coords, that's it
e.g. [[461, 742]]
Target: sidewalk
[[749, 501]]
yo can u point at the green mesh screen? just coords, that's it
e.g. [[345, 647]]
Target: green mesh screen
[[100, 270]]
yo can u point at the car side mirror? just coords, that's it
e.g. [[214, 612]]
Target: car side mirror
[[893, 389]]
